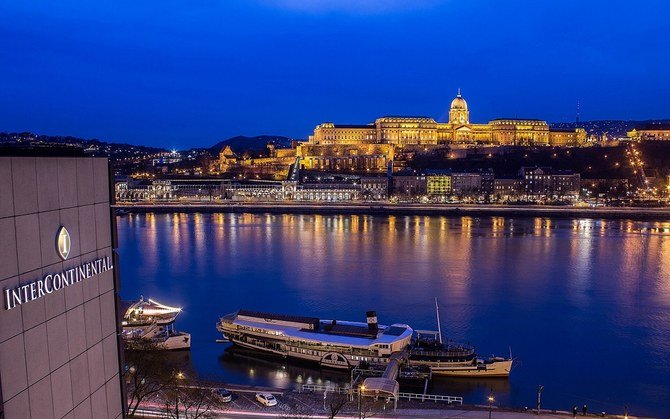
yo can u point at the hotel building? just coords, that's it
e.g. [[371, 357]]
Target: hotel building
[[59, 346]]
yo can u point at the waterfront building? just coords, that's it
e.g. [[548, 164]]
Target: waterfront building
[[651, 132], [327, 192], [438, 184], [466, 183], [410, 183], [565, 183], [246, 190], [545, 182], [505, 188], [537, 180], [375, 188], [487, 179], [59, 348]]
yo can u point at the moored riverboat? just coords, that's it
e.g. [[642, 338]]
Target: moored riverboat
[[149, 325], [330, 343], [454, 359], [145, 312]]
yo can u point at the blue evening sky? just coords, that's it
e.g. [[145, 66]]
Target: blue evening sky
[[187, 73]]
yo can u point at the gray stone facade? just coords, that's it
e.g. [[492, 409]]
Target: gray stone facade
[[59, 353]]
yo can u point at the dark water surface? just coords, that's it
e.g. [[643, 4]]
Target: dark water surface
[[583, 304]]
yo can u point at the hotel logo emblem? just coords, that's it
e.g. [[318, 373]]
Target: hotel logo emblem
[[63, 243]]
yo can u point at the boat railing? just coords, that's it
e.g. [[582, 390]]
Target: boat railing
[[444, 354], [343, 350]]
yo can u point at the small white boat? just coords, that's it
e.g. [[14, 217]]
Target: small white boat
[[149, 325], [147, 311]]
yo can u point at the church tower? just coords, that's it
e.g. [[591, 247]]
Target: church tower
[[458, 113]]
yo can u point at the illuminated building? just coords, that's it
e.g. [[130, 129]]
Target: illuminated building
[[374, 188], [344, 156], [466, 183], [410, 183], [438, 184], [507, 187], [652, 132], [409, 131], [543, 181]]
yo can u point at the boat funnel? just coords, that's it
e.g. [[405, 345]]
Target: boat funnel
[[372, 321]]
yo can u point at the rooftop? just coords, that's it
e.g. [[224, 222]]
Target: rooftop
[[356, 126]]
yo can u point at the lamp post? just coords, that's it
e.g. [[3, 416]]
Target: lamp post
[[491, 400], [361, 389], [180, 376]]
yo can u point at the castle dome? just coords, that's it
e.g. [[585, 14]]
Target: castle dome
[[459, 102]]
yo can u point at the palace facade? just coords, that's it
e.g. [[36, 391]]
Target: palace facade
[[372, 146], [403, 131]]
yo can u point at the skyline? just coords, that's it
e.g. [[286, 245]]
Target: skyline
[[189, 75]]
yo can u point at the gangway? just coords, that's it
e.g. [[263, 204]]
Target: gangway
[[386, 385]]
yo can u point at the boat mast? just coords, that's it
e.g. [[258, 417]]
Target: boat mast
[[439, 328]]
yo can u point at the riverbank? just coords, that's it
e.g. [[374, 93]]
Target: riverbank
[[630, 213]]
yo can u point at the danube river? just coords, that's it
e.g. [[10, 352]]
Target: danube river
[[583, 304]]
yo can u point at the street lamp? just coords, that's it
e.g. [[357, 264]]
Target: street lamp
[[360, 390], [491, 400], [180, 376]]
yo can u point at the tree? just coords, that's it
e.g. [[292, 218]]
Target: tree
[[146, 374], [186, 397], [337, 403]]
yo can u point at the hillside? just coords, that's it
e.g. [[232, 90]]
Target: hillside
[[91, 147], [590, 162]]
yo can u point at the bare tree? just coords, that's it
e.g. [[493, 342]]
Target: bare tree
[[189, 398], [337, 403], [146, 374]]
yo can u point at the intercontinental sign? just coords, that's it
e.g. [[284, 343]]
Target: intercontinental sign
[[54, 282]]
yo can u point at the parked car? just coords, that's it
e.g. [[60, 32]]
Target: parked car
[[266, 399], [224, 395]]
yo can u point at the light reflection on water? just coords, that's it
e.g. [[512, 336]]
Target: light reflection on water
[[584, 304]]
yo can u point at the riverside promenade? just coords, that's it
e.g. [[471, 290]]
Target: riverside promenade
[[304, 405], [313, 404], [384, 208]]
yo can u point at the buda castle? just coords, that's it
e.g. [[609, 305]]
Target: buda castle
[[371, 146]]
